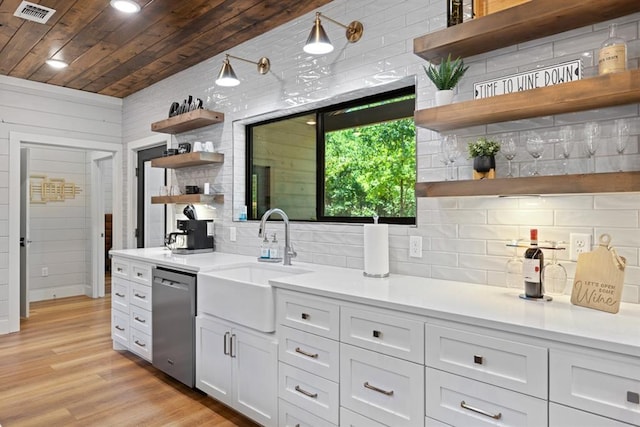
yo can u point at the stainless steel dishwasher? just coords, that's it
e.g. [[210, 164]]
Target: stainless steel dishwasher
[[174, 310]]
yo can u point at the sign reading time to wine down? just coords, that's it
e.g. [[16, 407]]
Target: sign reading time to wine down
[[541, 77]]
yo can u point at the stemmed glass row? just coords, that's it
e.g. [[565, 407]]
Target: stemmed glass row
[[535, 146]]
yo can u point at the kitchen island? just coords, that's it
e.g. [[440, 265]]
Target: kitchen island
[[417, 351]]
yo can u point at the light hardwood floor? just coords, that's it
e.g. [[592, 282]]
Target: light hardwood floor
[[61, 370]]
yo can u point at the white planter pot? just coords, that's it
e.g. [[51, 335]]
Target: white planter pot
[[444, 97]]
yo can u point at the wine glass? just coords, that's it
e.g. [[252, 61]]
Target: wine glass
[[513, 268], [591, 141], [535, 147], [444, 158], [567, 136], [554, 275], [508, 150], [451, 150], [622, 136]]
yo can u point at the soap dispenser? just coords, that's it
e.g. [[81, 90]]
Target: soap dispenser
[[264, 248], [274, 249]]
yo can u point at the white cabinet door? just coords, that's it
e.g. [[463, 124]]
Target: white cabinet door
[[460, 401], [563, 416], [386, 389], [256, 375], [213, 363]]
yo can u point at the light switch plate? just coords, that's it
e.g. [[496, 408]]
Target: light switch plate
[[232, 234]]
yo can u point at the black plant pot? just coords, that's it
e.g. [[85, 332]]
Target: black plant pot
[[484, 163]]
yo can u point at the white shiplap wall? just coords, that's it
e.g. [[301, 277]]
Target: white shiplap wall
[[463, 238], [52, 115]]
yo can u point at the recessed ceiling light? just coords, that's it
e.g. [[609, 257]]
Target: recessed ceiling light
[[56, 63], [126, 6]]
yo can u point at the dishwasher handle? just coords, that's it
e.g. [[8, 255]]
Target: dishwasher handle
[[161, 281]]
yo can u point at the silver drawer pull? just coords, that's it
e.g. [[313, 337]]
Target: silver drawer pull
[[480, 411], [120, 328], [306, 393], [140, 296], [379, 390], [140, 344], [478, 360], [305, 316], [633, 397], [139, 274], [377, 334], [225, 340], [119, 270], [119, 295], [304, 353], [140, 320]]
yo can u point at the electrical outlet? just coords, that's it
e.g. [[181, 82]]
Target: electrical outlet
[[232, 234], [45, 271], [579, 243], [415, 246]]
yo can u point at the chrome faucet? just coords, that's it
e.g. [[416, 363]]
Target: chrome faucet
[[288, 247]]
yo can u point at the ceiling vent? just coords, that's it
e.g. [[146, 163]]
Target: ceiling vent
[[34, 12]]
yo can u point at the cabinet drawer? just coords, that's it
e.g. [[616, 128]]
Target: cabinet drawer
[[140, 319], [140, 344], [382, 332], [349, 418], [140, 295], [120, 327], [320, 356], [309, 392], [387, 389], [140, 273], [308, 313], [505, 363], [596, 382], [460, 401], [120, 294], [291, 416], [119, 268], [563, 416]]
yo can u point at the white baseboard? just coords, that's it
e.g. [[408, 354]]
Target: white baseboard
[[57, 292]]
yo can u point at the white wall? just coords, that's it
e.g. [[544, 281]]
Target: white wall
[[59, 230], [48, 115], [463, 238]]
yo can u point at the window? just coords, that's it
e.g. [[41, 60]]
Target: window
[[344, 163]]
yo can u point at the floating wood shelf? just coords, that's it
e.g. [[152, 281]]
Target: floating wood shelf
[[188, 198], [595, 92], [188, 121], [518, 24], [612, 182], [188, 159]]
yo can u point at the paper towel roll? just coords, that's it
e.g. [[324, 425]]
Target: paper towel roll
[[376, 250]]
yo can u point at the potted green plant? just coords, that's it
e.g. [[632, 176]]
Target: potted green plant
[[483, 152], [445, 77]]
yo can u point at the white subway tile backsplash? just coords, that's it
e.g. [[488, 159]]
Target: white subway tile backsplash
[[463, 238], [598, 218]]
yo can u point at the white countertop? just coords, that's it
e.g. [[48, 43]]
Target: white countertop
[[484, 306]]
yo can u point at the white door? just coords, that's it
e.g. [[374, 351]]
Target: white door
[[213, 359], [256, 382], [25, 237], [98, 166]]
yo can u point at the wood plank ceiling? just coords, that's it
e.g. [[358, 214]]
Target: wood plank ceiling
[[115, 54]]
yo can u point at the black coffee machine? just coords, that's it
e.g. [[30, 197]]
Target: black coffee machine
[[199, 235], [195, 235]]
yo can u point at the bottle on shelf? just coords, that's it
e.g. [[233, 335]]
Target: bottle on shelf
[[612, 57], [532, 268], [454, 12]]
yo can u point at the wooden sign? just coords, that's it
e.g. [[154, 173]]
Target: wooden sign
[[599, 278], [540, 77]]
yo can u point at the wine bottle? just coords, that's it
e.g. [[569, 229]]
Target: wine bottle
[[532, 268], [612, 57]]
